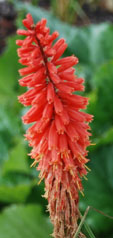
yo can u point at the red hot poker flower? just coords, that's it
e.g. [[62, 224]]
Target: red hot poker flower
[[59, 134]]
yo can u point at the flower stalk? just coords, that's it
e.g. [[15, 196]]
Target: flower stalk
[[60, 133]]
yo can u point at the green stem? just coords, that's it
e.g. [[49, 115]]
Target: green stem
[[90, 233], [87, 228], [102, 213]]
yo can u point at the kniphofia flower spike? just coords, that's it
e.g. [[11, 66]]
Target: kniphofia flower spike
[[59, 133]]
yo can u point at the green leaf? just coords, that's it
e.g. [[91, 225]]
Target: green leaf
[[3, 151], [17, 159], [104, 139], [101, 101], [9, 123], [24, 222], [36, 195], [99, 188], [15, 187], [16, 181], [9, 69], [105, 47], [9, 132]]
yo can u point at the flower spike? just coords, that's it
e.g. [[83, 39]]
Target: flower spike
[[59, 135]]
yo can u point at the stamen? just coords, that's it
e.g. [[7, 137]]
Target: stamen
[[85, 177], [87, 167], [93, 144]]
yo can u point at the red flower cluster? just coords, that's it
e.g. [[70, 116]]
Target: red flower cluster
[[59, 134]]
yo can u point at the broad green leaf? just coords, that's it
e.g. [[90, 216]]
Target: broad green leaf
[[24, 222], [15, 187], [104, 139], [99, 188], [102, 107], [95, 44], [105, 47], [14, 194], [3, 152], [17, 159], [9, 132], [9, 69], [36, 195], [9, 123]]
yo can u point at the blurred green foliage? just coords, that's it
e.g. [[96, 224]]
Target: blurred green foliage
[[24, 221], [18, 183]]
